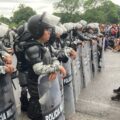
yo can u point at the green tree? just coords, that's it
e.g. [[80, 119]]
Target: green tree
[[4, 20], [106, 13], [22, 14], [70, 10], [68, 6], [90, 4], [66, 17]]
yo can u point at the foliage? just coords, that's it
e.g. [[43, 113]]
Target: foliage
[[22, 14]]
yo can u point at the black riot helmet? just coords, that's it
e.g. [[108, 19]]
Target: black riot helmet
[[38, 23]]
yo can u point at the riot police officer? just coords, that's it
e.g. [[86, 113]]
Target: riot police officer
[[19, 46], [45, 100], [7, 102]]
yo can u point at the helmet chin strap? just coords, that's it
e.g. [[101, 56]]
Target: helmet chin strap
[[41, 41]]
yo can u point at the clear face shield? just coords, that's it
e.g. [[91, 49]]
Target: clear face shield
[[58, 30], [78, 26], [50, 19], [69, 26], [3, 29], [62, 27], [83, 23]]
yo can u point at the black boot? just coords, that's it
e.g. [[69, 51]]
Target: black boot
[[116, 98], [34, 110], [99, 68], [117, 91], [24, 100]]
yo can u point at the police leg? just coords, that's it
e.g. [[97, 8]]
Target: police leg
[[23, 83], [34, 109]]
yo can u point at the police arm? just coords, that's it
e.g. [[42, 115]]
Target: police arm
[[66, 51], [34, 57], [70, 52]]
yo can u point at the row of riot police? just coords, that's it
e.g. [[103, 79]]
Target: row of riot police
[[54, 61]]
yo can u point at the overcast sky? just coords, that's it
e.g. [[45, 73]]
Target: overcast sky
[[7, 7]]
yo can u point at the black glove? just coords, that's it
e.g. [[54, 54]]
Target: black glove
[[64, 36], [62, 57]]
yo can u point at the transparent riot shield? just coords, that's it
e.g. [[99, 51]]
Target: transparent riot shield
[[7, 101], [69, 102], [86, 65], [79, 51], [88, 49], [50, 98], [95, 57], [103, 49], [77, 83]]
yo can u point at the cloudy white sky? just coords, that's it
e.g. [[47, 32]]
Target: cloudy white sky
[[7, 7]]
